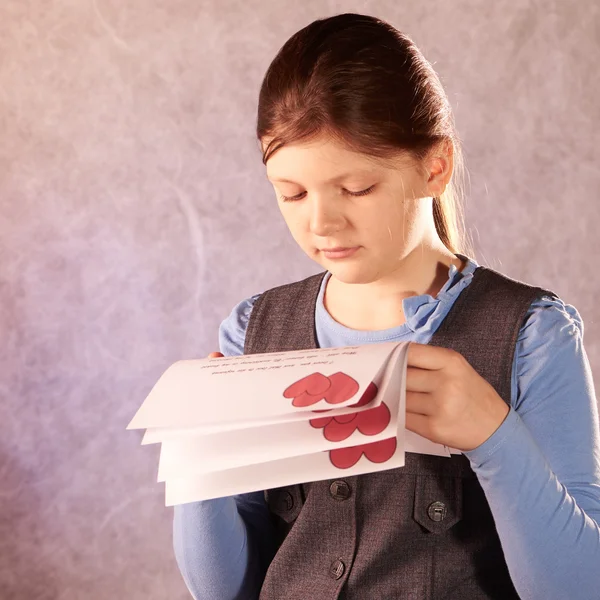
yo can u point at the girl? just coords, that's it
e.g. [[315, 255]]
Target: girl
[[359, 143]]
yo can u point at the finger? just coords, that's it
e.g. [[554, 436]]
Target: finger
[[419, 404], [421, 380], [429, 357], [215, 355]]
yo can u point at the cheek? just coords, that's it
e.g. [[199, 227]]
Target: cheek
[[394, 222], [386, 216], [295, 222]]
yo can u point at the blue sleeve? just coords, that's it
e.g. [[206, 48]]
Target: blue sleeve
[[223, 546], [540, 470]]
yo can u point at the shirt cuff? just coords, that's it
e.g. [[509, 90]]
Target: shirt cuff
[[507, 430]]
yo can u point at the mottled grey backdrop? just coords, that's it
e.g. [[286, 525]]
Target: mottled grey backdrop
[[134, 213]]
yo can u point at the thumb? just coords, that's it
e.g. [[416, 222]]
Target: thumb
[[215, 355]]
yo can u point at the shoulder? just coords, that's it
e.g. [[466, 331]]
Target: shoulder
[[551, 317], [549, 357], [545, 309], [232, 331]]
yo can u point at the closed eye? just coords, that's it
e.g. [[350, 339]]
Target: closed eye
[[300, 196]]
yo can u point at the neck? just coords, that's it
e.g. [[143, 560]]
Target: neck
[[377, 305]]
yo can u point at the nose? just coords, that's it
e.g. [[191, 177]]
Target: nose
[[326, 216]]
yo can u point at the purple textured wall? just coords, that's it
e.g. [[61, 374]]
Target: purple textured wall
[[134, 213]]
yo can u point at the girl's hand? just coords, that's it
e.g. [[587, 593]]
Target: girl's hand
[[215, 355], [447, 401]]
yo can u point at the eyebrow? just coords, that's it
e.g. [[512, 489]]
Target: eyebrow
[[332, 180]]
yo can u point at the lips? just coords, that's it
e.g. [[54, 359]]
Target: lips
[[339, 252]]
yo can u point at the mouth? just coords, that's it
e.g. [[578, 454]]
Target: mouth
[[339, 252]]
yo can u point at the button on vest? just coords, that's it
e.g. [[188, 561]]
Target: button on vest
[[339, 490]]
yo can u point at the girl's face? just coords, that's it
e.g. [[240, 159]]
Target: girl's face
[[336, 198]]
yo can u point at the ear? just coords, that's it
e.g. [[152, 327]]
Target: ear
[[439, 165]]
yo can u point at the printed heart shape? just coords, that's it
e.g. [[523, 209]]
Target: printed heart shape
[[374, 420], [324, 421], [368, 422], [308, 390], [335, 431], [369, 394], [346, 418], [343, 387], [320, 422], [306, 399], [376, 452], [315, 384]]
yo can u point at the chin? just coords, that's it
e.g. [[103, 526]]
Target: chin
[[349, 273]]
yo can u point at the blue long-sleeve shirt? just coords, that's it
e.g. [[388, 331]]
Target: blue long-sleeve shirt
[[540, 470]]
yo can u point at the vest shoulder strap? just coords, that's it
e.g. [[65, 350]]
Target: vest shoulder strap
[[283, 318]]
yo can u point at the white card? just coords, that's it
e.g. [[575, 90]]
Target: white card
[[253, 422], [338, 462], [229, 449], [192, 393]]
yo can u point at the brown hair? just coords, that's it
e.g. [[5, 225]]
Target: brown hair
[[362, 82]]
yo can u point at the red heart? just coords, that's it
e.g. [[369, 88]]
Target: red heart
[[324, 421], [376, 452], [368, 422], [320, 422], [343, 387], [370, 394], [335, 431], [308, 390], [306, 399], [346, 418], [315, 384], [374, 420]]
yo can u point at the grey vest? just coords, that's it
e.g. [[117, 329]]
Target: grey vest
[[419, 532]]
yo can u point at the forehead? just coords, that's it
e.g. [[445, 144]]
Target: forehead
[[324, 160]]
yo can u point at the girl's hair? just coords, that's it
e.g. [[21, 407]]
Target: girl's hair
[[360, 81]]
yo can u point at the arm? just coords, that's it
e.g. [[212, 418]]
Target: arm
[[541, 469], [224, 546]]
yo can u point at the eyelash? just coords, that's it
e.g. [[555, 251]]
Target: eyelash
[[299, 196]]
